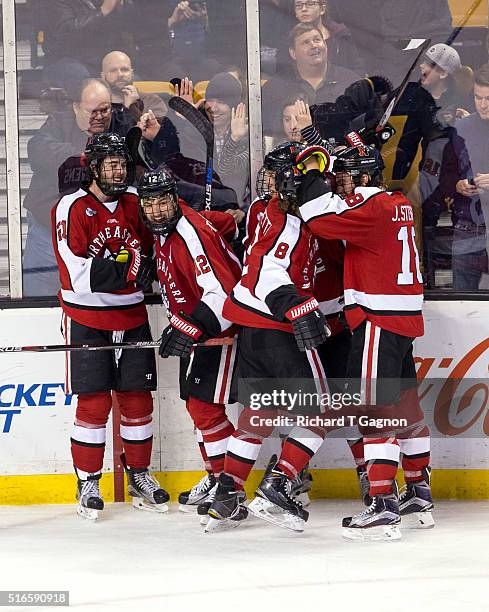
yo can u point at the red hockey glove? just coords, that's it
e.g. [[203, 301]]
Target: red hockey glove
[[177, 339], [309, 324]]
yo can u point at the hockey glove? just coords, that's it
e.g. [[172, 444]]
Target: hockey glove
[[177, 339], [137, 267], [309, 325]]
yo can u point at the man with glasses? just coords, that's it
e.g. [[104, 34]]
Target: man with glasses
[[55, 158], [342, 49]]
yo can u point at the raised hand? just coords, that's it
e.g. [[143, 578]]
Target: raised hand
[[131, 95], [302, 114], [149, 125], [239, 124]]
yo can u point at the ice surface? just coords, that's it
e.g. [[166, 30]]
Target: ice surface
[[139, 561]]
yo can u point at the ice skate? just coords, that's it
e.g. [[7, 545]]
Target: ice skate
[[203, 508], [416, 503], [226, 511], [145, 490], [275, 502], [364, 485], [90, 501], [301, 485], [380, 521], [198, 494]]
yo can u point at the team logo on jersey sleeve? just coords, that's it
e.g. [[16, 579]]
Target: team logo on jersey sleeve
[[90, 212]]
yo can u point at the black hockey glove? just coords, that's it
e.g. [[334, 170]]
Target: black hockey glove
[[177, 339], [146, 274], [309, 324]]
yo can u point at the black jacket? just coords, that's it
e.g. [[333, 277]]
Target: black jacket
[[54, 156]]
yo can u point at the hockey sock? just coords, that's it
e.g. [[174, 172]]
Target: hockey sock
[[89, 432], [415, 457], [382, 457], [205, 458], [215, 428], [299, 448], [357, 450], [136, 408]]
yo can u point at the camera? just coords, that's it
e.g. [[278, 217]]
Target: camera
[[197, 5]]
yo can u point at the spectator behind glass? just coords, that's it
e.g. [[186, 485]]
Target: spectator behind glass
[[127, 103], [342, 50], [471, 198], [54, 156], [188, 27], [298, 125], [431, 105], [313, 76], [85, 30], [383, 28]]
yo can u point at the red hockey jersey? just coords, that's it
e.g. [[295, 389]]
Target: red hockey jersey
[[382, 279], [328, 282], [281, 257], [196, 264], [86, 234], [253, 218]]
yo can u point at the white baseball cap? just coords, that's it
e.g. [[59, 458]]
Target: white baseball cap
[[445, 57]]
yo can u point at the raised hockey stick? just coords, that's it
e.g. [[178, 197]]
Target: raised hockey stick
[[465, 18], [52, 348], [400, 90], [206, 130]]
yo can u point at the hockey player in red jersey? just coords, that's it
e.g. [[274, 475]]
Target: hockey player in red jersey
[[196, 271], [281, 326], [100, 245], [383, 306]]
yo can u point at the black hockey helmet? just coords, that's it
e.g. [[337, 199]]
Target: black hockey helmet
[[273, 162], [98, 148], [357, 161], [158, 200]]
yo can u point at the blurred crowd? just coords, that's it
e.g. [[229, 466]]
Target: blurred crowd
[[327, 67]]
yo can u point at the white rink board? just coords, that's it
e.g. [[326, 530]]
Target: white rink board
[[38, 438]]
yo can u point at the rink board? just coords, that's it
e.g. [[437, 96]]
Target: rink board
[[36, 417]]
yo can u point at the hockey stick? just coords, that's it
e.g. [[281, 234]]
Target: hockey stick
[[400, 90], [206, 130], [465, 18], [52, 348]]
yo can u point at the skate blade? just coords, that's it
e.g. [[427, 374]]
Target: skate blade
[[187, 508], [142, 504], [204, 519], [214, 524], [263, 509], [88, 513], [418, 520], [304, 499], [386, 533]]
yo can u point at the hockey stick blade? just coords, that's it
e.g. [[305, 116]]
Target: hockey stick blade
[[196, 118], [52, 348], [392, 104]]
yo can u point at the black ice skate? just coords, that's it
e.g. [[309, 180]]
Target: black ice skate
[[145, 490], [301, 485], [416, 503], [90, 501], [226, 511], [275, 502], [198, 494], [380, 521], [364, 484]]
